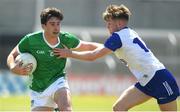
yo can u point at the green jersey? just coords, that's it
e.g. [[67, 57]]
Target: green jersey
[[49, 67]]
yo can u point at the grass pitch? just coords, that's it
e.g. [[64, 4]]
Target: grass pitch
[[80, 103]]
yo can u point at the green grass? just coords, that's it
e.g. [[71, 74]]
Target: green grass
[[80, 103], [93, 103], [15, 103]]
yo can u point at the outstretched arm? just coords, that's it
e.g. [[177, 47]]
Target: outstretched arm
[[84, 55], [87, 46]]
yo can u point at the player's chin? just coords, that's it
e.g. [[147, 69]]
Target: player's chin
[[56, 33]]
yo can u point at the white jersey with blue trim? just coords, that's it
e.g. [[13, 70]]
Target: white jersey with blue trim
[[129, 47]]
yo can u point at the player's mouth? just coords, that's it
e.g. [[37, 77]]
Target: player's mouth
[[56, 33]]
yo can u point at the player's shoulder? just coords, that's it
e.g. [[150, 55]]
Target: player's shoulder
[[35, 34], [65, 34], [126, 32]]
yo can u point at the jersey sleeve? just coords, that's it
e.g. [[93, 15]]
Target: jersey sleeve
[[23, 45], [113, 42], [71, 41]]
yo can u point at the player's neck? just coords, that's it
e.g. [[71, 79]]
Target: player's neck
[[51, 39], [122, 27]]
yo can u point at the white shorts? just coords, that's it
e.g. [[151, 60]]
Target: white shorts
[[46, 98]]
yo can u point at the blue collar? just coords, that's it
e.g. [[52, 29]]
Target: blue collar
[[124, 27]]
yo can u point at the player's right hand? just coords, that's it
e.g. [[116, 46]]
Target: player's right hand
[[19, 69], [62, 53]]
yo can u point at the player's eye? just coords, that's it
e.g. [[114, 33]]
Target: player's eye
[[58, 24], [52, 24]]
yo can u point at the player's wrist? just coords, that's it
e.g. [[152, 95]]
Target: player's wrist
[[72, 53]]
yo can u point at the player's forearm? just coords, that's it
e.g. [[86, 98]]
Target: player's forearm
[[83, 55], [86, 55], [14, 67], [88, 46], [94, 46], [11, 58], [10, 61]]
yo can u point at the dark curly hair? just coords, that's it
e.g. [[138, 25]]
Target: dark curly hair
[[47, 13]]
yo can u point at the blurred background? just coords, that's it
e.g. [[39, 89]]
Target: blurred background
[[156, 21]]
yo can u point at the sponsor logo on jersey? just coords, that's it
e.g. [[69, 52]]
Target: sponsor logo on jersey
[[40, 52], [51, 53], [145, 76]]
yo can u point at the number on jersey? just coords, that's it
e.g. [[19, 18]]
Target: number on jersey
[[137, 41]]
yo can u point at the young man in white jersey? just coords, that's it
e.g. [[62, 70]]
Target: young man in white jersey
[[49, 87], [154, 80]]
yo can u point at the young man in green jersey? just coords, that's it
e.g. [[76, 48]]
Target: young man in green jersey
[[49, 87]]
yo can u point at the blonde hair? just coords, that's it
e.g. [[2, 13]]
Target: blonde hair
[[116, 12]]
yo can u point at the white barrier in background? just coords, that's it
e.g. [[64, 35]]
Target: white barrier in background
[[107, 84], [79, 84], [99, 84]]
